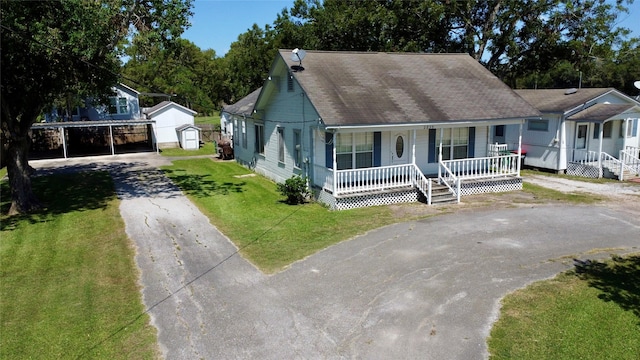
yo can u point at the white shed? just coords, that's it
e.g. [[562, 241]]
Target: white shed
[[168, 116], [189, 136]]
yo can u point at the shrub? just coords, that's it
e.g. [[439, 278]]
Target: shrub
[[295, 189]]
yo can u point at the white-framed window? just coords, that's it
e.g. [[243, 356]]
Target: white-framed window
[[455, 143], [244, 134], [297, 148], [259, 140], [118, 105], [354, 149], [281, 144], [538, 125], [626, 129], [606, 130], [236, 138]]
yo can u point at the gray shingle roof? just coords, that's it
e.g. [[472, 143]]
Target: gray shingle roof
[[367, 88], [601, 112], [243, 106], [555, 100]]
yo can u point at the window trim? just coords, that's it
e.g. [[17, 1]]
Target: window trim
[[116, 103]]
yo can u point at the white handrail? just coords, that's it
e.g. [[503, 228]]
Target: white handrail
[[373, 179], [454, 187]]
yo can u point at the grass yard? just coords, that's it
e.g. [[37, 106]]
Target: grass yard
[[214, 120], [206, 149], [544, 194], [68, 278], [250, 211], [590, 313]]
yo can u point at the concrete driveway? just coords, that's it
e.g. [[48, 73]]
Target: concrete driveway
[[419, 290]]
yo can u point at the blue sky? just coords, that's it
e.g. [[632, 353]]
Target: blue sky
[[217, 23]]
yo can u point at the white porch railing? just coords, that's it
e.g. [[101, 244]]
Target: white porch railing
[[354, 181], [626, 161], [496, 149], [484, 167], [584, 156]]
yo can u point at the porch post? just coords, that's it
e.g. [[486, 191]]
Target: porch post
[[440, 153], [335, 165], [600, 137], [519, 148], [413, 148], [64, 142], [111, 137]]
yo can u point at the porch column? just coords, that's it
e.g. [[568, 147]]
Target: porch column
[[64, 142], [440, 152], [600, 137], [335, 165], [519, 148], [111, 138], [413, 149]]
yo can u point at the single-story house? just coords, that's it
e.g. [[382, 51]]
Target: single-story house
[[369, 128], [590, 132], [167, 116], [231, 114]]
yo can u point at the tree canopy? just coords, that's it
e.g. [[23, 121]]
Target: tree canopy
[[53, 48]]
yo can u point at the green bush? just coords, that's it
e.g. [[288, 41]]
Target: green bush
[[295, 189]]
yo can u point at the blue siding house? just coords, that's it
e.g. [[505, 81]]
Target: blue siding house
[[378, 128]]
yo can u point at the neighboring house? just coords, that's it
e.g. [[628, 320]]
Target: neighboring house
[[378, 128], [589, 132], [123, 105], [231, 114], [167, 116]]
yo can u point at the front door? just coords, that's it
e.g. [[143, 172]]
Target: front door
[[399, 148]]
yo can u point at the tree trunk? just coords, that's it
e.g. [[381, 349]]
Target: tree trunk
[[23, 200]]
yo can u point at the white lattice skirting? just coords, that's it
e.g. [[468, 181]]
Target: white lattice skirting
[[582, 170], [366, 200], [490, 186]]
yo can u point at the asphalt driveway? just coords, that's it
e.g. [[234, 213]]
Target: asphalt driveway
[[420, 290]]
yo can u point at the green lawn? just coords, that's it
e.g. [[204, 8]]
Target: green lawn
[[250, 211], [214, 120], [206, 149], [591, 313], [69, 283]]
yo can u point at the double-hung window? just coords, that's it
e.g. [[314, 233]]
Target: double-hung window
[[297, 148], [259, 140], [455, 143], [354, 149], [118, 105], [244, 134], [281, 144]]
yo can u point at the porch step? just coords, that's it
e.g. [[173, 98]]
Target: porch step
[[440, 194]]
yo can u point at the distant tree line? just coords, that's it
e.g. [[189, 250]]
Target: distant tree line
[[528, 44]]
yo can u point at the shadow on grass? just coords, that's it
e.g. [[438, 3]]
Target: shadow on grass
[[618, 279], [202, 185], [79, 187], [61, 193]]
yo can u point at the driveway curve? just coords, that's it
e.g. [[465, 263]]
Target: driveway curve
[[426, 289]]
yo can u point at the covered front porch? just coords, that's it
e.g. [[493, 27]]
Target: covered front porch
[[605, 147], [496, 171]]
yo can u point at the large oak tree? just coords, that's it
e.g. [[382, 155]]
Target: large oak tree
[[53, 48]]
